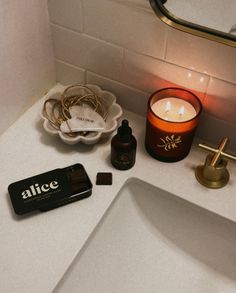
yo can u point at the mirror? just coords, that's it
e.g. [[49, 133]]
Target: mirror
[[204, 18]]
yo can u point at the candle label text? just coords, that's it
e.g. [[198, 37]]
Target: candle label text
[[170, 142]]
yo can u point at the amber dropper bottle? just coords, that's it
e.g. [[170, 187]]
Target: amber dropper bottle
[[123, 147]]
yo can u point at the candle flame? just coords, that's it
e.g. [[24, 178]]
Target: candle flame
[[181, 110], [167, 106]]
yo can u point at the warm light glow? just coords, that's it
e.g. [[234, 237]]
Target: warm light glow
[[202, 79]]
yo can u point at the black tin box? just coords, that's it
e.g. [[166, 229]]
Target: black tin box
[[50, 190]]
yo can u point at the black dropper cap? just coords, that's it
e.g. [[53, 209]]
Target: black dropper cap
[[124, 131]]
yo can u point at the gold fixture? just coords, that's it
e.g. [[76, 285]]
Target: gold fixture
[[189, 27], [213, 174]]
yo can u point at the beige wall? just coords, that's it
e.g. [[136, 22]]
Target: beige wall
[[26, 57]]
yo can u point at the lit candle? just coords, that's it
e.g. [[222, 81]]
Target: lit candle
[[173, 109], [172, 118]]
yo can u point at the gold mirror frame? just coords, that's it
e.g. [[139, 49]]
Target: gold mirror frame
[[192, 28]]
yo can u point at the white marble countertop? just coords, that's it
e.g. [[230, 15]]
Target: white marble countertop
[[35, 251]]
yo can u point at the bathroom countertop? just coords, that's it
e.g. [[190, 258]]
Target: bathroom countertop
[[36, 250]]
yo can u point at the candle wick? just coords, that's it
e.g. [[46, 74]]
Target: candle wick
[[181, 111], [167, 107]]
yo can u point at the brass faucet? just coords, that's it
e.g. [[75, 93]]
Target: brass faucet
[[214, 174]]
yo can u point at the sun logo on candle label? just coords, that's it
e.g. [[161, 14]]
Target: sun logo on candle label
[[170, 142]]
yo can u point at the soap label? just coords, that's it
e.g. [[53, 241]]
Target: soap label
[[36, 189], [29, 194]]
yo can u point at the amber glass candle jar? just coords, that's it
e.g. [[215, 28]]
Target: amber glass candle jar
[[172, 118]]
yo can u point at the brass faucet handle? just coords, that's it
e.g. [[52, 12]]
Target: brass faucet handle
[[214, 174], [218, 152]]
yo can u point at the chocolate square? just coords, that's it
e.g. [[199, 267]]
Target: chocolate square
[[104, 178]]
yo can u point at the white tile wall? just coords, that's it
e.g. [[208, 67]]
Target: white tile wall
[[66, 13], [126, 95], [69, 74], [149, 74], [220, 101], [213, 129], [121, 45], [87, 52], [200, 54], [144, 4], [125, 26]]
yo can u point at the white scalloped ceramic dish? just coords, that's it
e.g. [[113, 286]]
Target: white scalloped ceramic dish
[[115, 112]]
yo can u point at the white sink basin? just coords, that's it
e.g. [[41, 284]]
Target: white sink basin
[[150, 241]]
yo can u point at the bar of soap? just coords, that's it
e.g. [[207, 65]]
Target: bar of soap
[[104, 178]]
